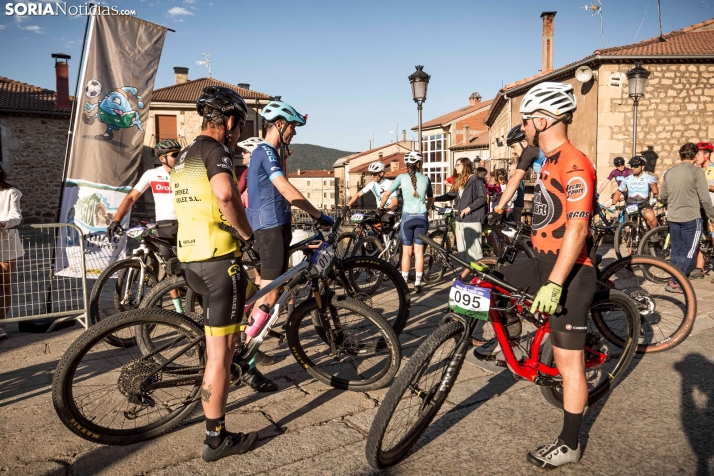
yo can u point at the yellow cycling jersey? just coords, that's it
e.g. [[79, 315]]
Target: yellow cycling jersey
[[197, 212]]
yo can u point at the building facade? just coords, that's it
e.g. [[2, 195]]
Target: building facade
[[318, 186]]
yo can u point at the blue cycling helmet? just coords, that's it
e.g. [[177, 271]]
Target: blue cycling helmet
[[279, 110]]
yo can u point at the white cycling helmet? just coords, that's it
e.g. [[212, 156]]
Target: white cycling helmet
[[250, 144], [376, 168], [413, 157], [555, 98]]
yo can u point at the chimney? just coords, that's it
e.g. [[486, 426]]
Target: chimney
[[299, 171], [404, 135], [547, 62], [474, 99], [62, 78], [466, 134], [381, 156], [244, 85], [181, 74]]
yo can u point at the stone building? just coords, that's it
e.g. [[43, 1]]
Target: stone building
[[678, 105], [318, 186], [34, 123]]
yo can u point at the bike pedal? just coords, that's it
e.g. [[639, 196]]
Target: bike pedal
[[501, 363]]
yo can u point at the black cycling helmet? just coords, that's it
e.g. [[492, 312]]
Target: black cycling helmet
[[637, 160], [515, 135], [166, 146], [220, 101], [619, 161]]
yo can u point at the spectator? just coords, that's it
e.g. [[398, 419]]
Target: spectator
[[469, 192], [685, 191], [10, 244]]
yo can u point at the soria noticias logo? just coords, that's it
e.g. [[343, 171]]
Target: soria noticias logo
[[62, 8]]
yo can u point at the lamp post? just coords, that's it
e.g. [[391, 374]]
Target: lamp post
[[420, 82], [636, 83]]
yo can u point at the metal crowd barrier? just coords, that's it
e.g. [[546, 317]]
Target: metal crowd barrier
[[44, 270]]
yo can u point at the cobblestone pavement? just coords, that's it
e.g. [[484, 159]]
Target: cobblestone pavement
[[659, 421]]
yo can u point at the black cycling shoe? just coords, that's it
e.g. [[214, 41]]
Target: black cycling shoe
[[233, 444], [259, 382], [417, 288]]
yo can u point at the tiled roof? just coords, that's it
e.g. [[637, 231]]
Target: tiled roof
[[452, 116], [480, 140], [387, 161], [312, 174], [191, 90], [361, 154], [23, 97], [693, 41]]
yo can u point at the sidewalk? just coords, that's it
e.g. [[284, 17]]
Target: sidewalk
[[660, 420]]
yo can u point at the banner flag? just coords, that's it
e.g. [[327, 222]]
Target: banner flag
[[116, 83]]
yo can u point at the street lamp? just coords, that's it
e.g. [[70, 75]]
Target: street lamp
[[420, 82], [636, 83]]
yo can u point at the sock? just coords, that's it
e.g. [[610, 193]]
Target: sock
[[215, 431], [405, 275], [417, 280], [571, 428], [252, 362], [177, 305]]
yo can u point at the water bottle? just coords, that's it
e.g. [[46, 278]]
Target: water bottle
[[257, 320]]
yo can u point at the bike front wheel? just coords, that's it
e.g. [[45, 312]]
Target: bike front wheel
[[656, 243], [100, 392], [351, 347], [436, 265], [605, 362], [626, 239], [415, 397]]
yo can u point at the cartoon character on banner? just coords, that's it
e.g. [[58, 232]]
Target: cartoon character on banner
[[114, 110]]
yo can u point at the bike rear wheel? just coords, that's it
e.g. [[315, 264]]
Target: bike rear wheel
[[620, 312], [345, 243], [436, 265], [414, 399], [656, 243], [118, 290], [666, 319], [627, 237], [97, 389], [362, 354]]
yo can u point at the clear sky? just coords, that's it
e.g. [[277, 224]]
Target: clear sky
[[346, 63]]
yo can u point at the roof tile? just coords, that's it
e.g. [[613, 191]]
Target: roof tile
[[191, 90], [18, 96], [450, 117]]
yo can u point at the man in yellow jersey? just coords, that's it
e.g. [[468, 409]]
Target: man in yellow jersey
[[206, 202]]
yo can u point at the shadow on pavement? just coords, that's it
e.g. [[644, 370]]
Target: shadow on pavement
[[697, 407], [25, 383]]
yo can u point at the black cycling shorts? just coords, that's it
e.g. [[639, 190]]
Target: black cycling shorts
[[568, 329], [167, 230], [272, 246], [221, 284]]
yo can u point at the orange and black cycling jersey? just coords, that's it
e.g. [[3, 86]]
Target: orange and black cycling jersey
[[564, 191]]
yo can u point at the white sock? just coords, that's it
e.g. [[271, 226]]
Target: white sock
[[405, 275], [417, 280]]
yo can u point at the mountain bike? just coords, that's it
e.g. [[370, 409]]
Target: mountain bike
[[386, 245], [421, 388], [123, 284], [126, 395], [629, 233], [666, 319], [656, 243]]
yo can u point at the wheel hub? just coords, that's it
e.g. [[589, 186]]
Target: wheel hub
[[645, 299], [133, 375]]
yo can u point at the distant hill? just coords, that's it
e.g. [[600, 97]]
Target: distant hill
[[314, 157]]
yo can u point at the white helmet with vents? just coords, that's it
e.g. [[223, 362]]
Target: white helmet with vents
[[554, 98], [413, 157], [376, 167], [250, 144]]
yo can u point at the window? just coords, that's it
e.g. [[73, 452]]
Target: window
[[433, 148], [166, 128], [308, 194], [332, 194], [437, 180], [308, 183], [324, 194]]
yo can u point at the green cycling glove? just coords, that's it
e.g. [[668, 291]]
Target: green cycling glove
[[547, 298]]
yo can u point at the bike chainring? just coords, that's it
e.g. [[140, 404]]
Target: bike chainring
[[133, 374]]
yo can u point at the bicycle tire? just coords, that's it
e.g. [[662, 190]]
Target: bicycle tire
[[603, 300], [368, 247], [666, 321], [626, 237], [320, 364], [419, 366], [384, 281], [654, 243], [345, 242], [120, 268], [64, 392], [434, 271]]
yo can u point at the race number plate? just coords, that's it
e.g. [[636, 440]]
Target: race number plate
[[357, 217], [322, 258], [445, 211], [632, 209], [136, 231], [472, 301]]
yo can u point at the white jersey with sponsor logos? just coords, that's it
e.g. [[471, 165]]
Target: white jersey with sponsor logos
[[158, 180]]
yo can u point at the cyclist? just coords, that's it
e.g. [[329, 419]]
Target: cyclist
[[206, 201], [270, 196], [378, 187], [526, 157], [418, 197], [158, 180], [619, 173], [638, 187], [562, 272]]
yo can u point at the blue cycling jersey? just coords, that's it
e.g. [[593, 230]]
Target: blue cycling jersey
[[637, 188], [267, 208]]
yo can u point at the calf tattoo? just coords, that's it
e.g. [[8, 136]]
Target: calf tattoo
[[206, 392]]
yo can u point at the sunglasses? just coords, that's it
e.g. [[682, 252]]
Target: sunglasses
[[173, 155], [526, 117]]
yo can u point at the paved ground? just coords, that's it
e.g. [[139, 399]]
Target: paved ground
[[659, 421]]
